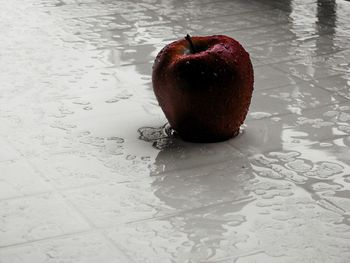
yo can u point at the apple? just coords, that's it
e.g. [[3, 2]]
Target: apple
[[204, 86]]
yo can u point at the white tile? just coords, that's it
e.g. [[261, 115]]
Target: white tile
[[279, 225], [82, 248], [275, 52], [176, 154], [204, 185], [291, 195], [111, 204], [295, 98], [220, 25], [74, 169], [18, 178], [267, 77], [309, 68], [83, 146], [275, 36], [163, 194], [7, 152], [339, 84], [198, 236], [293, 130], [37, 217]]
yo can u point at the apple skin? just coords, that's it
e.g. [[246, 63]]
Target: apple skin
[[205, 95]]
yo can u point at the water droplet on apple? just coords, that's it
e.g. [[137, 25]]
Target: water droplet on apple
[[168, 130]]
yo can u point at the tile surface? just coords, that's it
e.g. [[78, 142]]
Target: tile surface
[[37, 217], [91, 172], [78, 248]]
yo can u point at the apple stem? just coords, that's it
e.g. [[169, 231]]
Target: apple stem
[[192, 48]]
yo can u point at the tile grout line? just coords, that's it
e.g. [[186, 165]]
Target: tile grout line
[[86, 219], [60, 190], [67, 202], [102, 230]]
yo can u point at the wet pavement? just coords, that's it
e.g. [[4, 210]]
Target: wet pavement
[[89, 174]]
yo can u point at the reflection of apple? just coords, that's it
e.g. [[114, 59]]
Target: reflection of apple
[[204, 86]]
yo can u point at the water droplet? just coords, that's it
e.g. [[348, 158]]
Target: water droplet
[[330, 114], [149, 134], [325, 144], [299, 165], [260, 115], [80, 102], [345, 117], [323, 186], [276, 119], [145, 158], [325, 170], [116, 139], [112, 100], [65, 111], [124, 95], [344, 108], [285, 156], [344, 128], [130, 157]]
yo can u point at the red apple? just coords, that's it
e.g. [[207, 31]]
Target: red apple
[[204, 86]]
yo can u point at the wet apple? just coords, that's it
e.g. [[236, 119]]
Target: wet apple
[[204, 86]]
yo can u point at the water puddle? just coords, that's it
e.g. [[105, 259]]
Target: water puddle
[[161, 137]]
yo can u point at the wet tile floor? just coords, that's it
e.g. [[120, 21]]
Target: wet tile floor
[[87, 173]]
